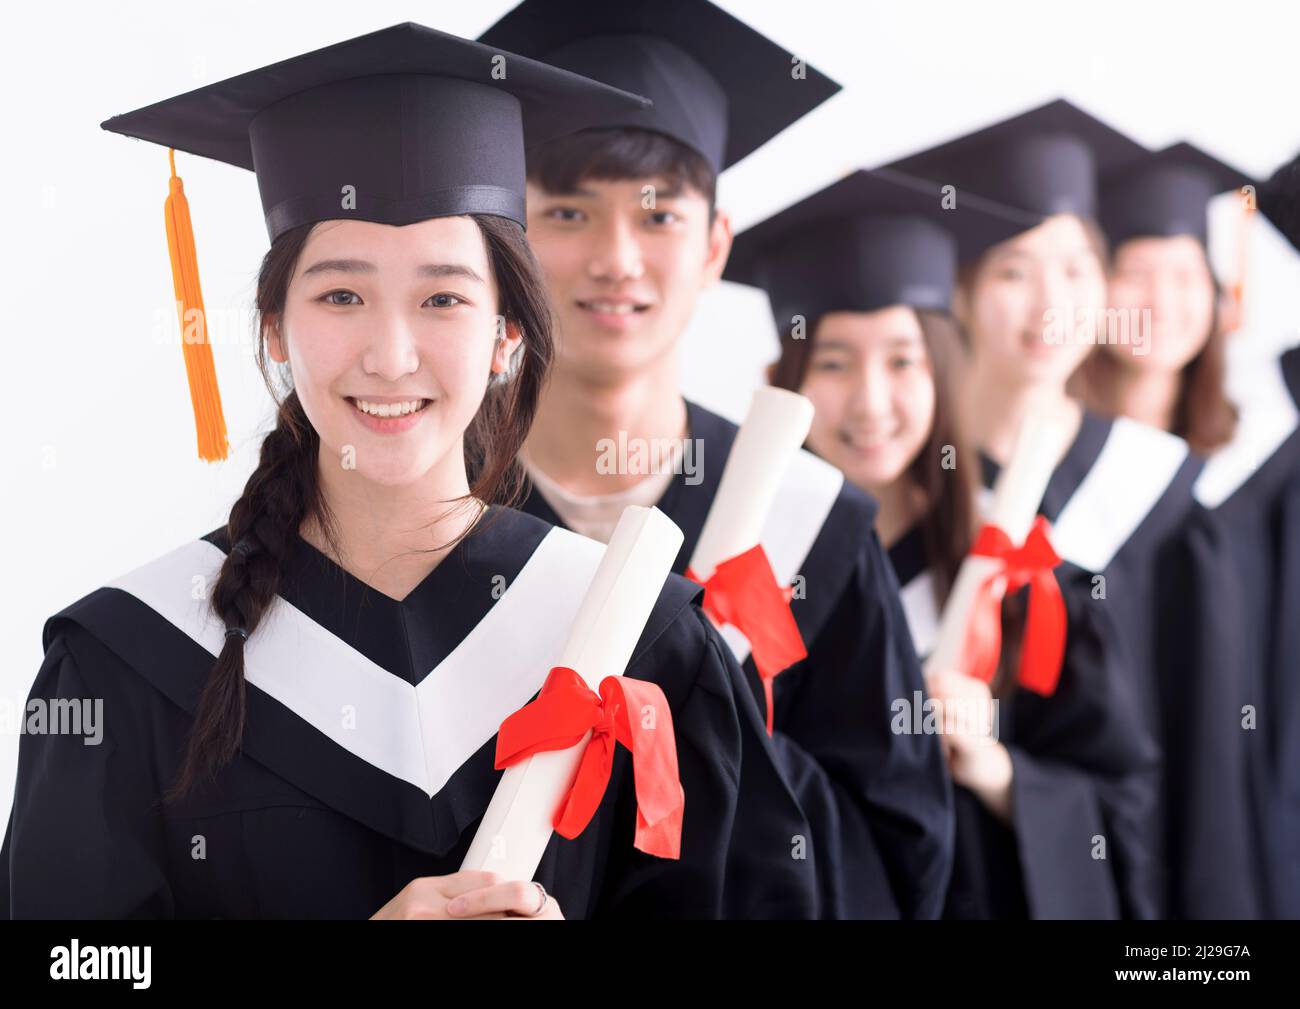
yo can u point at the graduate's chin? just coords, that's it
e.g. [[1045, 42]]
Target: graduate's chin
[[872, 472], [607, 355], [394, 470]]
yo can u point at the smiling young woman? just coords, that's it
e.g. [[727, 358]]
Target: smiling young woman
[[1141, 562], [301, 707], [1154, 211], [868, 267]]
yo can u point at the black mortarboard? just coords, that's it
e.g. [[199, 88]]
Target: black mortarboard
[[393, 127], [718, 86], [1165, 193], [418, 123], [871, 240], [1279, 201], [1045, 161]]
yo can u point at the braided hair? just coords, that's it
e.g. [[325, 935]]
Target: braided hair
[[284, 490]]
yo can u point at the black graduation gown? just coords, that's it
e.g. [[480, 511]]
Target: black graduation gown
[[1084, 769], [880, 803], [1122, 508], [327, 812], [1258, 509]]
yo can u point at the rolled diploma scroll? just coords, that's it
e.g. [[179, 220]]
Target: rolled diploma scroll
[[1016, 496], [517, 827], [774, 430]]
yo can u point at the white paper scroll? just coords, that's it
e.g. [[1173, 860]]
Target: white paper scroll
[[517, 825], [774, 430], [1016, 496]]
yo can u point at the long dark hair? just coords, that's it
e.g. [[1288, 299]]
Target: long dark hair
[[947, 526], [284, 490]]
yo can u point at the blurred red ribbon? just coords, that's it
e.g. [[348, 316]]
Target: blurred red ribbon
[[562, 714], [743, 591], [1044, 644]]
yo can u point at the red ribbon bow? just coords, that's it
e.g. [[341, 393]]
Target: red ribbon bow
[[628, 711], [743, 591], [1029, 564]]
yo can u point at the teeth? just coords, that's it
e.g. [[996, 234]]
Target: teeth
[[388, 409], [619, 308]]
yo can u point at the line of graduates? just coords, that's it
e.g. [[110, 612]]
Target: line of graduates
[[929, 308]]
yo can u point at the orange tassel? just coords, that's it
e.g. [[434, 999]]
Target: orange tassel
[[209, 421], [1244, 220]]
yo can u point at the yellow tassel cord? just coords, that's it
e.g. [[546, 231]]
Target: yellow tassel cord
[[209, 421]]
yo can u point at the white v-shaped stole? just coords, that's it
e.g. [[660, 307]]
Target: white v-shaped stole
[[421, 734], [1268, 415], [799, 510], [922, 613], [1136, 465]]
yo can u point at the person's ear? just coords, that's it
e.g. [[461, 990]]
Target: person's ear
[[509, 338], [719, 247], [770, 372], [274, 340]]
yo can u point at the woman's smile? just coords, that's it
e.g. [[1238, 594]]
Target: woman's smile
[[389, 417]]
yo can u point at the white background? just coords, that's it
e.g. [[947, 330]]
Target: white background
[[101, 473]]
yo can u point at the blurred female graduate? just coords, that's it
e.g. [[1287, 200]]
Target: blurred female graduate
[[300, 708], [871, 262], [1120, 499]]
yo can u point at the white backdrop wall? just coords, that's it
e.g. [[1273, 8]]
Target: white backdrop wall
[[101, 473]]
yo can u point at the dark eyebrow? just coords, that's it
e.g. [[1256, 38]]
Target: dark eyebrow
[[668, 188], [362, 266], [449, 270], [340, 266]]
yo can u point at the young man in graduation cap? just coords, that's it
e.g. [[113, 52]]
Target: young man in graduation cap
[[623, 221]]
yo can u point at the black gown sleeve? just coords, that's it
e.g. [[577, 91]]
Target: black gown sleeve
[[1280, 810], [852, 880], [1204, 685], [84, 838], [1083, 841], [744, 850], [838, 706]]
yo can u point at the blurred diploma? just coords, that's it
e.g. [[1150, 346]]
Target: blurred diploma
[[517, 827], [1016, 496], [774, 430]]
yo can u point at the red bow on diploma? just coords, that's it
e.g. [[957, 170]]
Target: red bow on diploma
[[1030, 564], [632, 712], [743, 592]]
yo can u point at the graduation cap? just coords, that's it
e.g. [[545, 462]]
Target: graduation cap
[[718, 86], [396, 126], [871, 240], [1165, 193], [1045, 161], [1279, 200]]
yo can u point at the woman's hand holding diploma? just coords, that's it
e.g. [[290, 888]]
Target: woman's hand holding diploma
[[469, 895], [965, 703], [976, 760]]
